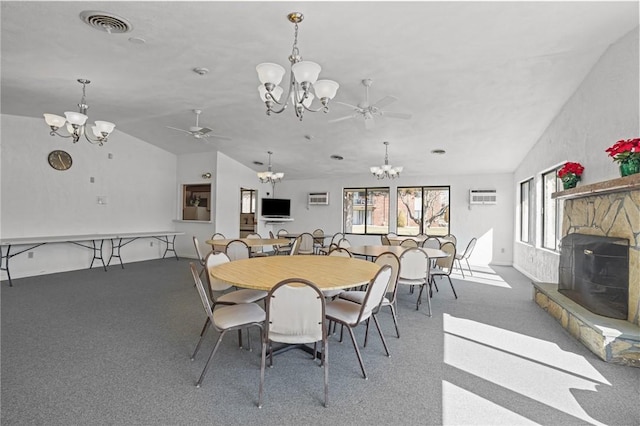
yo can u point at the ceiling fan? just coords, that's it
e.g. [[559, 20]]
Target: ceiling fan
[[199, 132], [368, 111]]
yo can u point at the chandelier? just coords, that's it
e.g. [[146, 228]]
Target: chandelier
[[386, 171], [302, 78], [74, 122], [270, 176]]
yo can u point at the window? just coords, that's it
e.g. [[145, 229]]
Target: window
[[247, 200], [423, 210], [551, 210], [366, 211], [196, 202], [526, 201]]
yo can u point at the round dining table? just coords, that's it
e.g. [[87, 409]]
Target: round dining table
[[326, 272], [251, 242], [376, 250]]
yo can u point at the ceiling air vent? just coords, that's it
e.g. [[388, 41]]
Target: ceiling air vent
[[105, 21], [318, 198], [483, 196]]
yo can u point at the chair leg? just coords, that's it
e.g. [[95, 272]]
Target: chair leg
[[460, 267], [213, 352], [419, 301], [325, 361], [263, 361], [202, 333], [384, 342], [429, 302], [355, 346], [395, 319], [366, 334], [454, 290], [469, 266]]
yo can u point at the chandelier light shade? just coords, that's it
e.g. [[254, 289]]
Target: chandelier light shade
[[386, 170], [75, 122], [303, 82], [270, 176]]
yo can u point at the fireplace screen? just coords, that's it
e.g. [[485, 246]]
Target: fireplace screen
[[594, 272]]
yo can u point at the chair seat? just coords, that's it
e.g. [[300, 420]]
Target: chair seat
[[409, 281], [332, 293], [343, 311], [358, 297], [437, 271], [241, 296], [227, 317]]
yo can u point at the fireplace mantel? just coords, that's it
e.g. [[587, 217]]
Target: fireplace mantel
[[627, 183]]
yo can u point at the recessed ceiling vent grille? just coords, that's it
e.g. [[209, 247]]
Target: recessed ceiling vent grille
[[483, 196], [105, 21]]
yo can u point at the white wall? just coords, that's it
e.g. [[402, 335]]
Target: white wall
[[491, 224], [603, 109], [37, 200]]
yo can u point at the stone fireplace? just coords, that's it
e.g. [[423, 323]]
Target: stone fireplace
[[606, 212]]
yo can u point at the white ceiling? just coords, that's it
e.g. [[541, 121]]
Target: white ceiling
[[482, 79]]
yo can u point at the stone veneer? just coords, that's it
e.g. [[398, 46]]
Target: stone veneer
[[610, 209]]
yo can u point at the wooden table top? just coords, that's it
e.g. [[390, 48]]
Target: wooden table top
[[375, 251], [251, 242], [416, 238], [327, 272]]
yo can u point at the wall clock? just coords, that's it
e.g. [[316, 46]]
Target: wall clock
[[60, 160]]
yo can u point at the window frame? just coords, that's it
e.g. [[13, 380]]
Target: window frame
[[367, 191], [545, 207], [423, 189], [526, 223]]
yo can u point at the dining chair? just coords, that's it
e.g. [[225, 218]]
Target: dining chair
[[409, 243], [334, 243], [226, 318], [340, 252], [444, 265], [282, 232], [295, 315], [414, 270], [344, 243], [384, 240], [395, 242], [256, 251], [217, 295], [389, 299], [237, 249], [196, 244], [306, 243], [465, 256], [431, 242], [451, 237], [279, 248], [217, 236], [294, 247], [318, 240], [351, 314]]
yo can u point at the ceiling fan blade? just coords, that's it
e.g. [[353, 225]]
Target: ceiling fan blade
[[387, 100], [212, 135], [180, 130], [203, 130], [347, 117], [401, 115], [354, 107]]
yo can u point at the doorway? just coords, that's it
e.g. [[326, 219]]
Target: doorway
[[248, 222]]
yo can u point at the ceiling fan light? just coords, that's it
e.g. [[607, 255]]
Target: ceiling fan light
[[96, 131], [279, 175], [399, 169], [374, 170], [306, 71], [75, 117], [105, 126], [270, 73], [326, 89], [276, 93], [54, 120]]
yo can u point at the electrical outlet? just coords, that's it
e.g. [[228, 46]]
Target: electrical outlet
[[150, 243], [502, 250], [30, 255], [92, 179]]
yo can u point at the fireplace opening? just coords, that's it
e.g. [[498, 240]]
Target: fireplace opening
[[594, 272]]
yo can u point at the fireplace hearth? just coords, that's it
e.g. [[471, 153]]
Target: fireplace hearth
[[594, 272]]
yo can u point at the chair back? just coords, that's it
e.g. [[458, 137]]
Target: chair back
[[384, 240], [273, 237], [446, 263], [217, 236], [336, 237], [392, 260], [237, 249], [282, 232], [201, 291], [255, 236], [196, 243], [295, 246], [215, 259], [306, 243], [318, 236], [431, 242], [409, 243], [295, 312], [344, 243], [451, 237], [375, 292], [341, 252], [469, 249], [414, 264]]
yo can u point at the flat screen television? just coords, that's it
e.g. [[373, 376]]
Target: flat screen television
[[276, 207]]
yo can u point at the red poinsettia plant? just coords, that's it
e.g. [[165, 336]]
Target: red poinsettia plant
[[571, 168], [624, 150]]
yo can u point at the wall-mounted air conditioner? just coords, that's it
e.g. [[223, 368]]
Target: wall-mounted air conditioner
[[483, 196], [318, 198]]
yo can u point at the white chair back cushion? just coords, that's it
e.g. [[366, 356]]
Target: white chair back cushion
[[393, 261], [237, 250], [340, 252], [377, 289], [201, 291], [295, 314], [431, 243], [414, 264], [446, 263], [215, 259], [306, 243]]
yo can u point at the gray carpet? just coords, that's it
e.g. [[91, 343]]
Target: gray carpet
[[89, 347]]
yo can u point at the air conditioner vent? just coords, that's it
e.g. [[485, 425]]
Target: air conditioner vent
[[318, 198], [483, 196]]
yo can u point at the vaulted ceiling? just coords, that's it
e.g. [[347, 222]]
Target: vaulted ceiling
[[481, 80]]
